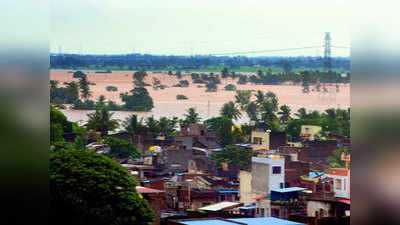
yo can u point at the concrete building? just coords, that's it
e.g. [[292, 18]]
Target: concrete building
[[310, 132], [255, 186], [269, 173], [341, 181], [260, 137]]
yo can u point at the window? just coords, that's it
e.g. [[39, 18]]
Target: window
[[338, 184], [262, 212], [257, 140], [281, 185], [276, 170]]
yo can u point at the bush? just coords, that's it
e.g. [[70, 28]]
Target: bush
[[90, 188], [182, 83], [111, 88], [138, 100], [181, 97], [230, 87], [79, 74], [242, 79]]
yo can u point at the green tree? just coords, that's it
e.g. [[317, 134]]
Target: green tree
[[138, 100], [225, 72], [120, 148], [138, 78], [234, 155], [101, 121], [211, 87], [259, 97], [167, 127], [58, 125], [223, 127], [90, 188], [335, 160], [284, 114], [242, 97], [230, 87], [252, 111], [302, 113], [192, 116], [229, 110], [242, 79], [84, 86]]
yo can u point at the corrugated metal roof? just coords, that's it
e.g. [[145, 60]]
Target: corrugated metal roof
[[265, 220], [228, 191], [291, 189], [220, 206], [249, 221]]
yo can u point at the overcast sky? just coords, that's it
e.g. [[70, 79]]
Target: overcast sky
[[197, 26]]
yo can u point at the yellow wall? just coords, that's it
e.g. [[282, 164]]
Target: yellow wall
[[263, 135], [310, 129]]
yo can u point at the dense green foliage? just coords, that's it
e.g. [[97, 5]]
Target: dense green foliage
[[181, 97], [78, 74], [223, 127], [193, 63], [229, 110], [230, 87], [101, 121], [182, 83], [234, 155], [121, 148], [89, 188], [138, 100], [63, 95], [335, 161], [58, 125], [191, 116], [111, 88]]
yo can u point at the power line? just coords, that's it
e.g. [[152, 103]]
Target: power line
[[264, 51], [340, 47]]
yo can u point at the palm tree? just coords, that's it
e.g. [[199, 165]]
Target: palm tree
[[192, 116], [259, 97], [229, 110], [284, 114], [101, 121], [243, 98], [268, 111], [252, 111], [153, 126], [133, 126], [302, 113]]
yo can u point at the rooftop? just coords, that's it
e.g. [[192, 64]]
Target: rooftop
[[249, 221], [145, 190], [221, 206], [285, 190]]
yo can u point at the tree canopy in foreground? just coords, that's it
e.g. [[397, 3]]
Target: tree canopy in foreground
[[89, 188]]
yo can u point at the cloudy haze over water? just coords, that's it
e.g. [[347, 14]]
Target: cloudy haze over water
[[182, 27]]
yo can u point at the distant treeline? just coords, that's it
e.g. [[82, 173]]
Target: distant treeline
[[190, 63]]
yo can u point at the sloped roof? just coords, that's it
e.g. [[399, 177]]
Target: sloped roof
[[285, 190], [221, 206]]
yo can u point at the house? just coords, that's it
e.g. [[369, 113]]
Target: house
[[322, 211], [310, 132], [287, 201], [156, 200], [341, 182], [260, 137], [229, 221], [266, 173]]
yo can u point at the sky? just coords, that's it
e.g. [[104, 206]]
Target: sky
[[187, 27]]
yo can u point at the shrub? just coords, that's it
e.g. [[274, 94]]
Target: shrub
[[111, 88], [78, 74], [230, 87], [181, 97]]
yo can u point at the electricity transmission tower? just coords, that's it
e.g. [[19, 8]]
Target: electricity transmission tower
[[328, 93]]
